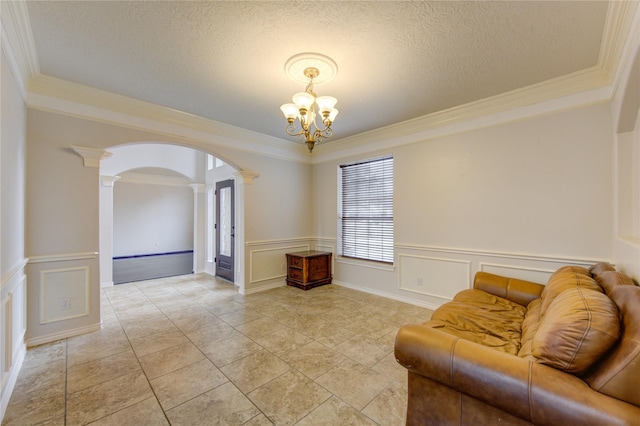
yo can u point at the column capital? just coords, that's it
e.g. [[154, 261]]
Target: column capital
[[108, 180], [91, 156], [198, 188], [247, 176]]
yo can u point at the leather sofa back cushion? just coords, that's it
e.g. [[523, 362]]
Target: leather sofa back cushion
[[611, 279], [563, 279], [617, 374], [580, 325]]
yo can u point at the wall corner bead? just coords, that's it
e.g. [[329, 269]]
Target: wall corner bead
[[247, 176], [91, 156]]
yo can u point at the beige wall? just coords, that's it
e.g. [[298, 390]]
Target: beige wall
[[524, 196]]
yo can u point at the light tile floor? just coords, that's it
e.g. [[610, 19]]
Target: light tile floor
[[190, 350]]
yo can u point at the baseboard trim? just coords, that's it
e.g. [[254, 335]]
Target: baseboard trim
[[41, 340], [392, 296], [265, 287]]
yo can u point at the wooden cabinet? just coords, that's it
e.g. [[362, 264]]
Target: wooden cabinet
[[308, 269]]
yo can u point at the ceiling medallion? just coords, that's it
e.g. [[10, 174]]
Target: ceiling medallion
[[310, 68]]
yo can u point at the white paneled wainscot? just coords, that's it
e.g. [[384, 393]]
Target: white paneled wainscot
[[13, 326], [268, 263], [62, 289]]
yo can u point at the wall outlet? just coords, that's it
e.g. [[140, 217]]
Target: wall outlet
[[65, 304], [419, 281]]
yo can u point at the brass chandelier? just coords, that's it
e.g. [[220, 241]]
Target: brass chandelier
[[305, 104]]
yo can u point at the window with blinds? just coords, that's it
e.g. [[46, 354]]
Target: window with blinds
[[366, 207]]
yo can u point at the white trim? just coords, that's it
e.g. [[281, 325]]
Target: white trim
[[247, 176], [467, 263], [506, 255], [13, 272], [277, 249], [18, 31], [151, 179], [277, 241], [585, 87], [62, 257], [60, 96], [264, 288], [618, 30], [62, 335], [14, 66], [365, 263], [481, 266], [108, 181], [91, 157], [392, 296], [198, 188], [86, 309]]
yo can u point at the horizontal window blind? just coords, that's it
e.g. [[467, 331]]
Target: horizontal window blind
[[367, 209]]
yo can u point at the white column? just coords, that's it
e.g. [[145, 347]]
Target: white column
[[199, 227], [106, 229], [243, 178]]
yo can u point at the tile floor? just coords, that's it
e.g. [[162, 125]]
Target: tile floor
[[190, 350]]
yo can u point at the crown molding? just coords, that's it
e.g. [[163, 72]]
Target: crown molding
[[590, 86], [17, 35], [576, 90], [582, 88], [61, 96], [618, 28]]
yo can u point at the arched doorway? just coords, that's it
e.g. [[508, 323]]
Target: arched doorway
[[197, 169]]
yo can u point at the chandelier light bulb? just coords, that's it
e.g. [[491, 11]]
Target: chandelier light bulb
[[290, 112], [325, 103], [303, 100]]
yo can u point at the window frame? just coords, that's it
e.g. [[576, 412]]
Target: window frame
[[383, 249]]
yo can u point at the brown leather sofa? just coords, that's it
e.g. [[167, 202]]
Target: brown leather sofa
[[514, 352]]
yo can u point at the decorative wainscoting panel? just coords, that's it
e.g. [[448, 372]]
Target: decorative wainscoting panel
[[13, 326], [267, 266], [64, 294], [432, 276], [536, 275], [271, 263]]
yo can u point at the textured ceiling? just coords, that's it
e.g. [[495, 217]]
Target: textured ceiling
[[396, 60]]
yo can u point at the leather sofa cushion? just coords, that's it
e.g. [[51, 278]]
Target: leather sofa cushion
[[579, 326], [617, 374], [529, 328], [483, 318], [611, 279], [601, 267], [563, 279]]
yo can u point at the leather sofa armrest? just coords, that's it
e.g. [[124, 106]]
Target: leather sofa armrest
[[518, 291], [524, 388]]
